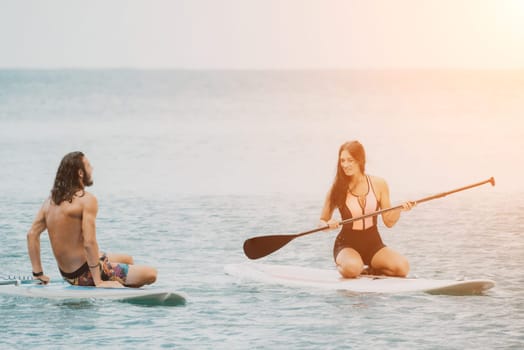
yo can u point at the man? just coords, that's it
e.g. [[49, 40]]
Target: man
[[69, 216]]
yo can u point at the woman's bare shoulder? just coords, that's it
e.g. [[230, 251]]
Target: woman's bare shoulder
[[378, 182]]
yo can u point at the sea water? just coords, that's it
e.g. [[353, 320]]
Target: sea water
[[189, 164]]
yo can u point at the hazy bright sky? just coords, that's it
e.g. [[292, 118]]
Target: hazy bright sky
[[261, 34]]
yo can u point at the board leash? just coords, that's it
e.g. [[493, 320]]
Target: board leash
[[17, 279]]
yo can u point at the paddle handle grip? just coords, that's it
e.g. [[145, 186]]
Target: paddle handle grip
[[491, 180]]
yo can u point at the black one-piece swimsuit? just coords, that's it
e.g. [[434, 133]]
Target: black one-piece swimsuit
[[362, 235]]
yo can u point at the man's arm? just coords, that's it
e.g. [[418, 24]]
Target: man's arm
[[33, 243], [89, 212], [90, 209]]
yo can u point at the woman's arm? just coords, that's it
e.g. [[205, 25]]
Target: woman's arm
[[326, 214], [389, 218]]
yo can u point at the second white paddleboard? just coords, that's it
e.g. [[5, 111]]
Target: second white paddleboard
[[330, 279]]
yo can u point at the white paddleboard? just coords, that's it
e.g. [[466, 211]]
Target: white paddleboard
[[331, 280], [65, 291]]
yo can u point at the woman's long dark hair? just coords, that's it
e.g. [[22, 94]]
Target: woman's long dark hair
[[341, 183], [67, 180]]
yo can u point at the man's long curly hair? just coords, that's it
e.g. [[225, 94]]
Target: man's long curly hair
[[341, 183], [67, 180]]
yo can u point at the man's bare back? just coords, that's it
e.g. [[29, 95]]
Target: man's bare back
[[64, 226], [69, 216]]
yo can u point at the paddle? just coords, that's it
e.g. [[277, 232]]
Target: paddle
[[258, 247]]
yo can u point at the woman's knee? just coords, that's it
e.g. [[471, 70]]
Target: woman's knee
[[403, 267], [349, 263], [390, 263], [349, 270]]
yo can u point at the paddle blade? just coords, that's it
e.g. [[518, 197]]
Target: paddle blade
[[258, 247]]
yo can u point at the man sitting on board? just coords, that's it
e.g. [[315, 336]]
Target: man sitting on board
[[69, 216]]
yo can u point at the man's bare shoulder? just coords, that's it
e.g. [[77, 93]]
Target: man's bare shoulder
[[46, 204], [44, 209], [85, 199], [83, 194]]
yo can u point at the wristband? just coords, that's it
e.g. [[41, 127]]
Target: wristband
[[38, 274], [97, 265]]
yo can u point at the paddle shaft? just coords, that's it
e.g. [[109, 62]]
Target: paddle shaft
[[422, 200], [254, 247]]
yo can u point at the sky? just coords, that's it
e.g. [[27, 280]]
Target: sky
[[262, 34]]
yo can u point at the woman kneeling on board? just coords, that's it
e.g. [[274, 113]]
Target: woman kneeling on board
[[355, 193]]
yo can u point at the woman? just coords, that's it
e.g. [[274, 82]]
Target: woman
[[355, 193]]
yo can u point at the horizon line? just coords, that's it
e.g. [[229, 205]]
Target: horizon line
[[283, 69]]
